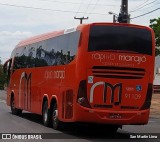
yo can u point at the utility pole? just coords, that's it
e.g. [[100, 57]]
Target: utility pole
[[81, 19], [123, 15]]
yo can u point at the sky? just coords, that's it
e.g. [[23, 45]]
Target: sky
[[21, 19]]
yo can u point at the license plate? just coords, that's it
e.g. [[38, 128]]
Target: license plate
[[115, 116]]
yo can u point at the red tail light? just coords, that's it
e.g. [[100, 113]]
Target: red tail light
[[82, 94]]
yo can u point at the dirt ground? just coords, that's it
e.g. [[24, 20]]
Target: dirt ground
[[155, 106]]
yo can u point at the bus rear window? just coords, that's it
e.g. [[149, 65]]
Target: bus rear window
[[136, 40]]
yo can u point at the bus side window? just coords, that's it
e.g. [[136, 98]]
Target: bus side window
[[7, 70]]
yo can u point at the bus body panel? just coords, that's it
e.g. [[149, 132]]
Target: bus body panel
[[50, 81], [138, 76], [112, 98], [112, 116]]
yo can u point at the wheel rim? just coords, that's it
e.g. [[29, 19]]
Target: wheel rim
[[13, 107], [55, 117], [45, 114]]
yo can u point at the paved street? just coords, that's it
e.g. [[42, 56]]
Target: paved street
[[32, 123]]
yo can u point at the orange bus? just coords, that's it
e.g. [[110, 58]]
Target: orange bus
[[95, 73]]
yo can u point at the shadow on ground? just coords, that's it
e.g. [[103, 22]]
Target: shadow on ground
[[81, 130]]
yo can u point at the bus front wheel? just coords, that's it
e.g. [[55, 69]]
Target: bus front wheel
[[14, 110]]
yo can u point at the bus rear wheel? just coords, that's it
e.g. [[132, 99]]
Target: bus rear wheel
[[14, 110], [111, 128], [56, 123], [46, 114]]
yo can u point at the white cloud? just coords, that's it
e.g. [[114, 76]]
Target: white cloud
[[14, 20], [8, 40], [15, 34]]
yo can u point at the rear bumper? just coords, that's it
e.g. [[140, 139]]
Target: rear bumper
[[83, 114]]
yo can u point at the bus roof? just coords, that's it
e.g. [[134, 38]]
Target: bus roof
[[39, 38], [58, 33]]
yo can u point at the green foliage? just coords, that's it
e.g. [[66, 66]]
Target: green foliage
[[155, 25], [157, 51], [2, 77]]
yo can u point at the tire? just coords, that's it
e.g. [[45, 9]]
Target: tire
[[14, 110], [114, 129], [111, 129], [46, 114], [56, 123]]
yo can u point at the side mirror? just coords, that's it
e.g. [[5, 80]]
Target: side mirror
[[7, 70], [7, 66]]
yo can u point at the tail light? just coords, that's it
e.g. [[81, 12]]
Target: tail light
[[82, 94], [147, 102]]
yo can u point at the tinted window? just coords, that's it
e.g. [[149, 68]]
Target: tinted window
[[59, 50], [120, 38]]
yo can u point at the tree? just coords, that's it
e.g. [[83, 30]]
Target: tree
[[155, 25], [2, 76]]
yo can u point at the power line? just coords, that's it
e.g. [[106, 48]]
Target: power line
[[94, 6], [87, 7], [79, 7], [148, 7], [37, 8], [77, 3], [54, 10], [143, 6], [146, 13], [139, 5]]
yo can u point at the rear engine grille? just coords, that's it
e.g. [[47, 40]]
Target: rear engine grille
[[118, 72]]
